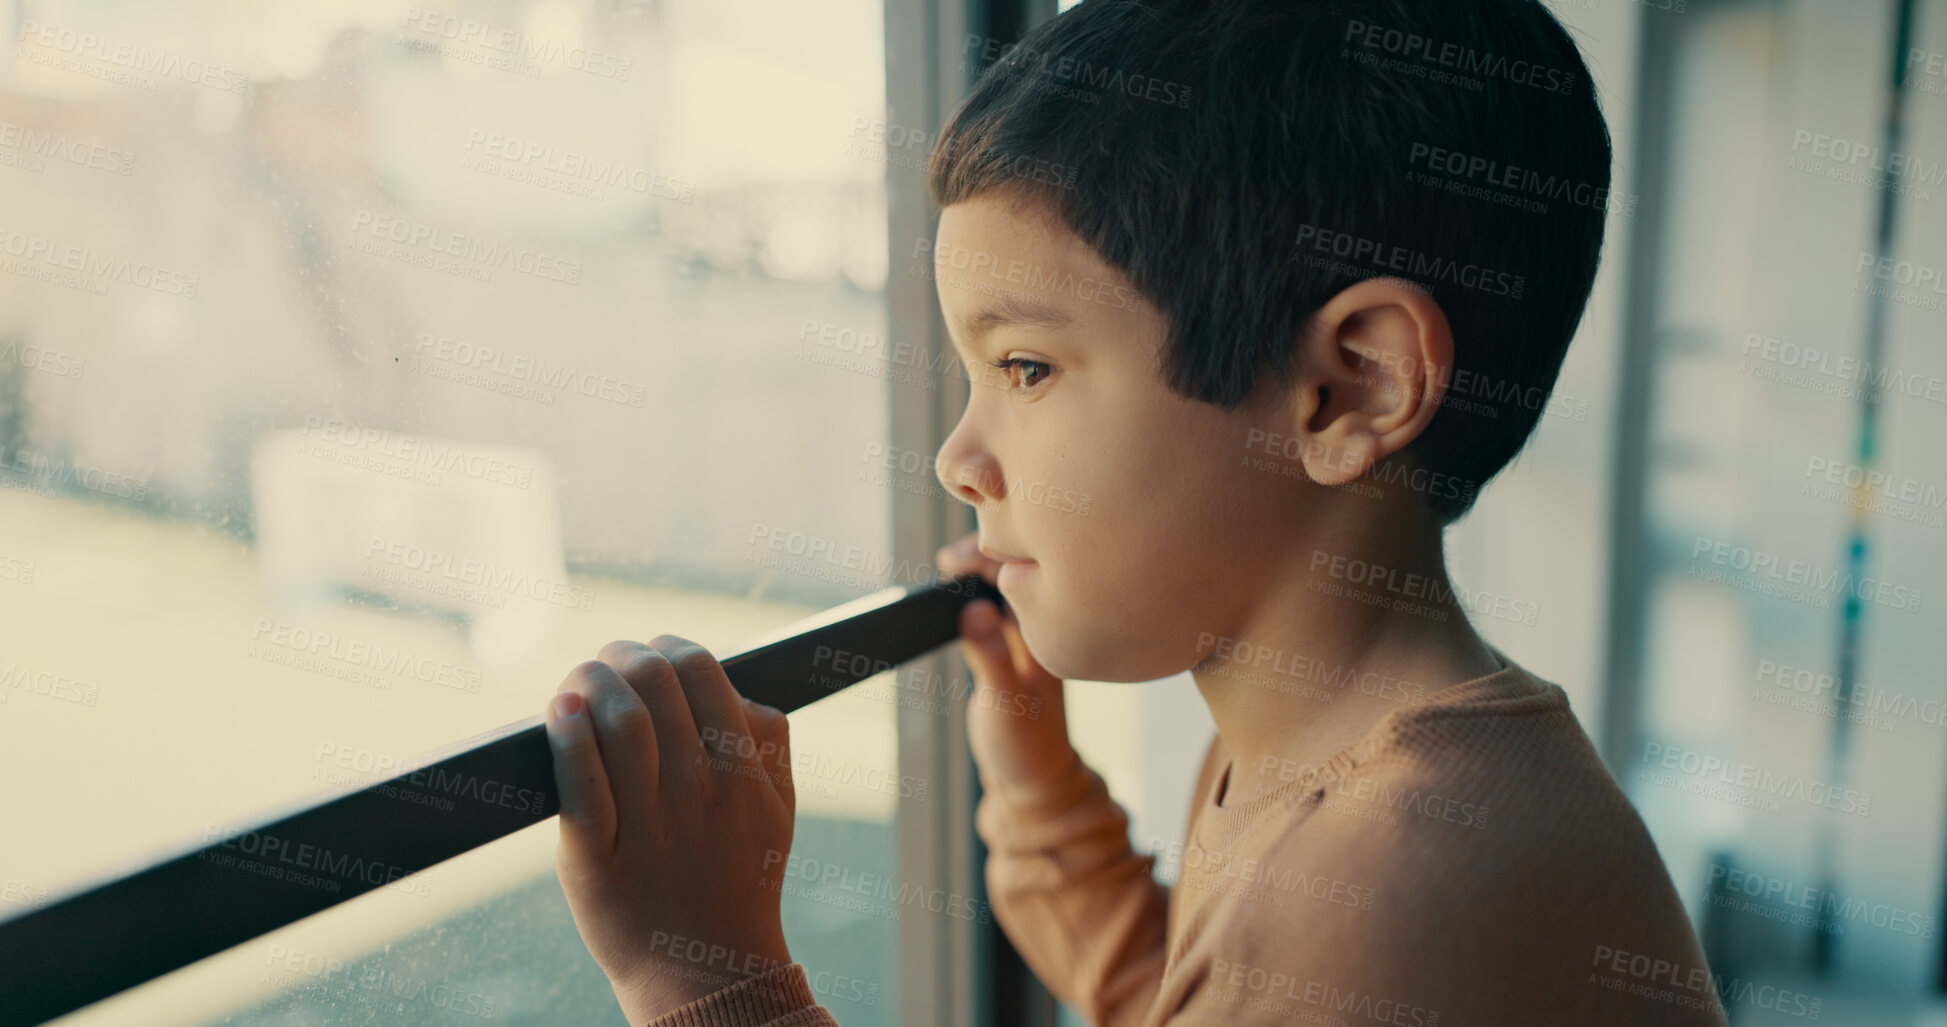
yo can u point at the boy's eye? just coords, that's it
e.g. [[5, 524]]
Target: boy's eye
[[1038, 369]]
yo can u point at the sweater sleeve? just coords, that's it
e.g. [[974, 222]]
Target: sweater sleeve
[[1074, 897], [778, 997]]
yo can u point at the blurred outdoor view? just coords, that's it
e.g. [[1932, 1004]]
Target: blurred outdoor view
[[364, 366]]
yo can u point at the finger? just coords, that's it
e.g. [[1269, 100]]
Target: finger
[[625, 732], [772, 730], [587, 804], [984, 645], [964, 557], [714, 705], [1001, 664], [656, 685], [955, 550]]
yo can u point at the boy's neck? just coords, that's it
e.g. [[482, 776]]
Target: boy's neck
[[1339, 633]]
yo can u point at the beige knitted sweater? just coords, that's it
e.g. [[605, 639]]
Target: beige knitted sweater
[[1469, 861]]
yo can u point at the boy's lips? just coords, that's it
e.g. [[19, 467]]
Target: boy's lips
[[1011, 572], [1012, 566], [1004, 557]]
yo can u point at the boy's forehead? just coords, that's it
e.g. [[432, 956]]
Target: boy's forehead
[[1004, 261]]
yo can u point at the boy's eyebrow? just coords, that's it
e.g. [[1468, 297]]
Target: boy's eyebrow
[[1021, 311]]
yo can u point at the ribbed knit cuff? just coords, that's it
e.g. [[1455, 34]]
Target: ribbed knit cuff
[[775, 993]]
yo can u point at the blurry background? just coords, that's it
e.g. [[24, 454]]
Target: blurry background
[[365, 366], [309, 305]]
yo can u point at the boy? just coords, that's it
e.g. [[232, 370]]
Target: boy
[[1276, 333]]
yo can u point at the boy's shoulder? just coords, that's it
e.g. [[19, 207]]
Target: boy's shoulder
[[1483, 836], [1505, 743], [1502, 766]]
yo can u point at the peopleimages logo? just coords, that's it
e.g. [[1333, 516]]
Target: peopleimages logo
[[1876, 490], [1902, 272], [19, 677], [1412, 46], [1363, 253], [52, 472], [1337, 677], [511, 372], [1297, 451], [1794, 579], [881, 888], [1692, 986], [1030, 62], [450, 252], [1527, 183], [1412, 585], [1194, 866], [1894, 166], [375, 655], [17, 569], [40, 358], [1860, 696], [302, 857], [1379, 795], [132, 60], [1272, 990], [492, 579], [20, 893], [1835, 371], [88, 269], [1777, 897], [1037, 279], [432, 786], [1752, 780], [426, 453], [876, 567], [575, 166], [39, 147], [518, 46]]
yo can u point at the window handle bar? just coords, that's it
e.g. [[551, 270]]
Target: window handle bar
[[238, 883]]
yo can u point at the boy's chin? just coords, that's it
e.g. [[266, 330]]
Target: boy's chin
[[1073, 656], [1057, 659]]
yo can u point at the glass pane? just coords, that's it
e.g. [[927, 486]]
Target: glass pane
[[1790, 730], [363, 367]]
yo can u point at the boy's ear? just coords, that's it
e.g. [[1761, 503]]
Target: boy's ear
[[1373, 368]]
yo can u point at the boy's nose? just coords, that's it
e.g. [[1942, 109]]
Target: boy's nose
[[968, 474]]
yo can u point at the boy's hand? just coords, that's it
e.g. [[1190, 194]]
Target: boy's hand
[[676, 815], [1016, 724]]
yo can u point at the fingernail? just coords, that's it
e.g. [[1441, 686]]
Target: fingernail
[[568, 705]]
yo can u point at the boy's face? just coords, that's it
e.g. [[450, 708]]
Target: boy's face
[[1145, 517]]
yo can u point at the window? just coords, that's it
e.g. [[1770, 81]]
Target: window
[[1785, 744], [365, 366]]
